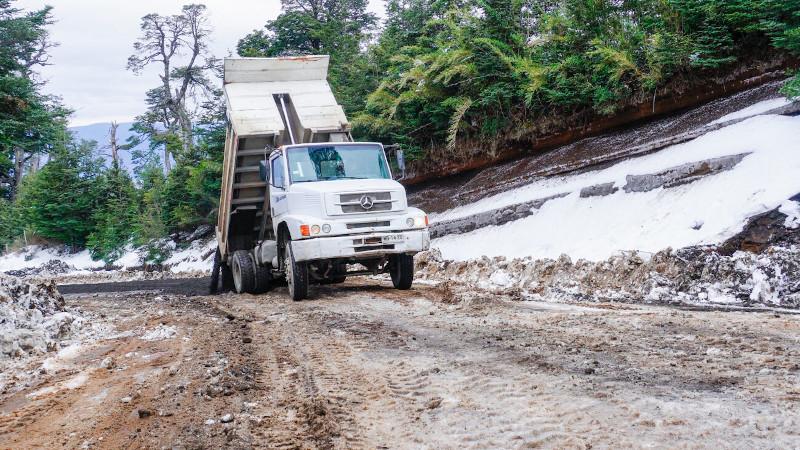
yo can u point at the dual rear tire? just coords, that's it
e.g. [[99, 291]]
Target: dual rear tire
[[247, 276]]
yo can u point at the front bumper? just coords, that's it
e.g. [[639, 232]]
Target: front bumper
[[361, 245]]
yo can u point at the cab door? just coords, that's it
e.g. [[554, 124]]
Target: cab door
[[279, 203]]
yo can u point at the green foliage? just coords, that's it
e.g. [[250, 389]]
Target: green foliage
[[516, 61], [30, 122], [150, 224], [10, 223], [337, 28], [114, 217], [58, 202], [792, 88]]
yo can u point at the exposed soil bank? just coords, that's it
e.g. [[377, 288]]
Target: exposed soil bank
[[446, 192]]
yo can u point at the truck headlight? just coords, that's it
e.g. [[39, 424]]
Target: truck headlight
[[417, 222], [326, 228], [314, 229]]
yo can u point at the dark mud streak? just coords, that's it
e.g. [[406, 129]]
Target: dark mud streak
[[184, 286]]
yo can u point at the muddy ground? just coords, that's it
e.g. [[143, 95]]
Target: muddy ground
[[363, 366]]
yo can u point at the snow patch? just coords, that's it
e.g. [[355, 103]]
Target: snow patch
[[160, 333], [754, 110], [706, 211], [36, 256], [693, 275], [792, 211], [32, 317]]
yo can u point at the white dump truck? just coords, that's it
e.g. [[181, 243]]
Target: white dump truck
[[300, 201]]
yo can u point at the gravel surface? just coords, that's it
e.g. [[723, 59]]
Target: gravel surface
[[361, 365]]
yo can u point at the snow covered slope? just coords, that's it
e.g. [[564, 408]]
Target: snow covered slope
[[192, 258], [705, 211]]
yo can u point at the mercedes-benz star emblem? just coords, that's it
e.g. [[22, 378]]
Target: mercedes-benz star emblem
[[366, 202]]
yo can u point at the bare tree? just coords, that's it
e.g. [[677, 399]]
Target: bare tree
[[169, 41], [112, 143]]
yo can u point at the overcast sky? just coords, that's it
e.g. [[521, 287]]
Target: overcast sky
[[96, 38]]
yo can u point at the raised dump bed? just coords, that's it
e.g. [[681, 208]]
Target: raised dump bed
[[270, 102]]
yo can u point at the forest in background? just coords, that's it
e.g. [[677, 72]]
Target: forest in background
[[430, 75]]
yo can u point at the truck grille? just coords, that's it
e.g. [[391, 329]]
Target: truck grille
[[365, 202], [353, 226]]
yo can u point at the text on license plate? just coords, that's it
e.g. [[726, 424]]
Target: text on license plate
[[393, 238]]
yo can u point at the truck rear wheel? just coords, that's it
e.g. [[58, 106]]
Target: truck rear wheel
[[223, 271], [227, 277], [213, 288], [244, 272], [263, 279], [296, 275], [401, 269]]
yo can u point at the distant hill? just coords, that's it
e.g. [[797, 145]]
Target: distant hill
[[99, 132]]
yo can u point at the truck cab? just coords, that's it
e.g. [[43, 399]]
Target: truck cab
[[323, 207]]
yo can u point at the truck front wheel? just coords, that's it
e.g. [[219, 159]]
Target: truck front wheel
[[401, 269], [296, 274], [244, 272]]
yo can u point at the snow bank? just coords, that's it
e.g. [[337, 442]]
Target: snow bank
[[197, 257], [696, 275], [32, 317], [37, 256], [40, 262], [706, 211], [756, 109]]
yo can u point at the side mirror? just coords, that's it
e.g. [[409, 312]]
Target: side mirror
[[401, 161], [263, 170]]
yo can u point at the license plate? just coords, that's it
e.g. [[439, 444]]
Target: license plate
[[393, 239]]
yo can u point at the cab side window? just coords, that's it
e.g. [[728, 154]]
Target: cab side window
[[277, 172]]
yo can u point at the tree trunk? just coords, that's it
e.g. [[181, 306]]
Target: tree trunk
[[19, 162], [186, 130], [167, 163], [113, 143], [34, 165]]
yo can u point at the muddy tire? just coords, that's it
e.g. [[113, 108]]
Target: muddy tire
[[401, 269], [263, 279], [296, 275], [213, 288], [244, 272], [227, 277]]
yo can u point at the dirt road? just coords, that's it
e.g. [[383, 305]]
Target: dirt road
[[363, 366]]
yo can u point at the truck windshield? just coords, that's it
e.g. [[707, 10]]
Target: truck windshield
[[336, 162]]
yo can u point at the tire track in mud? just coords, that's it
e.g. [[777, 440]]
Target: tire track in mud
[[484, 406], [371, 367], [306, 369]]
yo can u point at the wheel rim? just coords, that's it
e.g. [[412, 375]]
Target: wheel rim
[[289, 269], [237, 275]]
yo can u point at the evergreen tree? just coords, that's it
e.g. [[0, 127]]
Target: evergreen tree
[[114, 217], [150, 223], [338, 28], [59, 200], [31, 123]]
